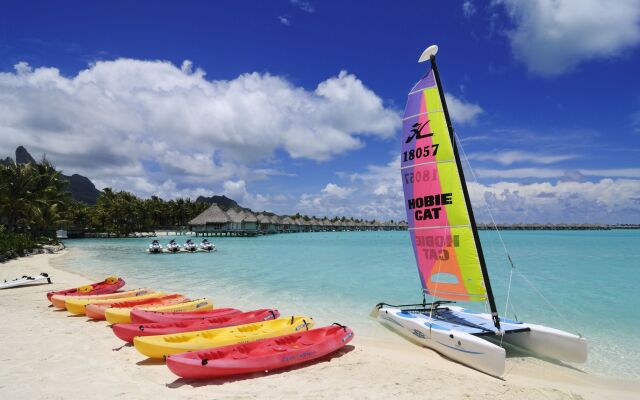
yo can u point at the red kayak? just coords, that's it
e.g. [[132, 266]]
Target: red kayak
[[146, 316], [109, 285], [127, 332], [263, 355]]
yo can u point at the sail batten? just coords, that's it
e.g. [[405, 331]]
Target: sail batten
[[440, 224]]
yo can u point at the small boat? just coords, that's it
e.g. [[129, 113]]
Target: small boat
[[448, 250], [59, 300], [155, 247], [123, 315], [173, 246], [190, 246], [142, 316], [264, 355], [164, 345], [77, 306], [207, 245], [26, 280], [109, 285], [127, 332], [98, 310]]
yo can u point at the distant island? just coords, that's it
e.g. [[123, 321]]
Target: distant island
[[556, 227]]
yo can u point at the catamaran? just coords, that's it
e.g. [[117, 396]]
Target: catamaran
[[448, 251]]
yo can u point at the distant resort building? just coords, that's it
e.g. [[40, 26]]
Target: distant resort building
[[214, 221]]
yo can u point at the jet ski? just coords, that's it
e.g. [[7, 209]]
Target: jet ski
[[173, 247], [190, 246], [155, 247], [207, 246]]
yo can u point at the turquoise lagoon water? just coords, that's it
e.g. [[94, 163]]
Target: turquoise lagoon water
[[590, 277]]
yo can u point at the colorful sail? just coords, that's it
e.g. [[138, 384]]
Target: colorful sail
[[438, 216]]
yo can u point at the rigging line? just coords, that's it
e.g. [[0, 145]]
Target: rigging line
[[493, 221], [513, 267], [549, 303]]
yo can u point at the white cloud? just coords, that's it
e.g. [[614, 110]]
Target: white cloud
[[553, 36], [605, 201], [115, 118], [333, 190], [516, 156], [284, 19], [468, 9], [523, 173], [461, 111], [304, 5], [377, 193]]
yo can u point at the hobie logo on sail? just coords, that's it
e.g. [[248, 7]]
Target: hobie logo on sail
[[433, 202], [416, 132]]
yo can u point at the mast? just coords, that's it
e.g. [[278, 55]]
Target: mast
[[465, 191]]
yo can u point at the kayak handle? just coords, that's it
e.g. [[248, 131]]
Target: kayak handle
[[341, 326]]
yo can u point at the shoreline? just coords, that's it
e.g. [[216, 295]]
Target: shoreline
[[369, 368]]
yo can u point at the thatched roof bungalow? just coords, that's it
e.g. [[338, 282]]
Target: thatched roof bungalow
[[211, 219]]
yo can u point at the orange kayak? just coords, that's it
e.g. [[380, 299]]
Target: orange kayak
[[96, 311], [58, 300]]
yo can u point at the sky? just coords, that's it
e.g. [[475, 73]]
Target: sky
[[295, 106]]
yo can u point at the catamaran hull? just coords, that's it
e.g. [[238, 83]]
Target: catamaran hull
[[474, 350], [543, 340], [462, 347]]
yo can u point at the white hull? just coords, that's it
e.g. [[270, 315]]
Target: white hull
[[25, 281], [545, 341], [474, 351]]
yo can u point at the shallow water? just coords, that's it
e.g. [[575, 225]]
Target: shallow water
[[589, 279]]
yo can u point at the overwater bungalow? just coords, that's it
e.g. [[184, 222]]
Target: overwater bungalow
[[233, 222], [213, 220], [264, 223], [297, 225], [287, 224], [240, 222]]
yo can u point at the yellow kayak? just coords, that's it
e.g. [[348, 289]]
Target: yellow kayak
[[76, 306], [163, 345], [123, 315], [58, 300]]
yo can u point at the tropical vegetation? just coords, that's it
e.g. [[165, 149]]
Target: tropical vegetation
[[34, 202]]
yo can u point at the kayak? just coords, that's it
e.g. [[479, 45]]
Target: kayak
[[109, 285], [164, 345], [58, 300], [123, 315], [26, 280], [127, 332], [142, 316], [265, 355], [97, 311], [77, 306]]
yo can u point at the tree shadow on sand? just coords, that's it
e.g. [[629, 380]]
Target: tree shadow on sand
[[221, 381]]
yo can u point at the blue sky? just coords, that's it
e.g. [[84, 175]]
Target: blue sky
[[295, 105]]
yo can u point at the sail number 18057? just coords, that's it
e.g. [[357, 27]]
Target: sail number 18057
[[420, 152]]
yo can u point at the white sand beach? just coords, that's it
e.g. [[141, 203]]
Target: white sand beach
[[47, 354]]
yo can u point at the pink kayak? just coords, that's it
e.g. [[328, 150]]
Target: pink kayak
[[146, 316], [127, 332], [260, 356], [109, 285]]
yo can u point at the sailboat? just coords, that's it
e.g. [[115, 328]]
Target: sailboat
[[448, 251]]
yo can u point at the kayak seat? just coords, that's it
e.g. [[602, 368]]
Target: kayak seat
[[176, 339], [249, 328]]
